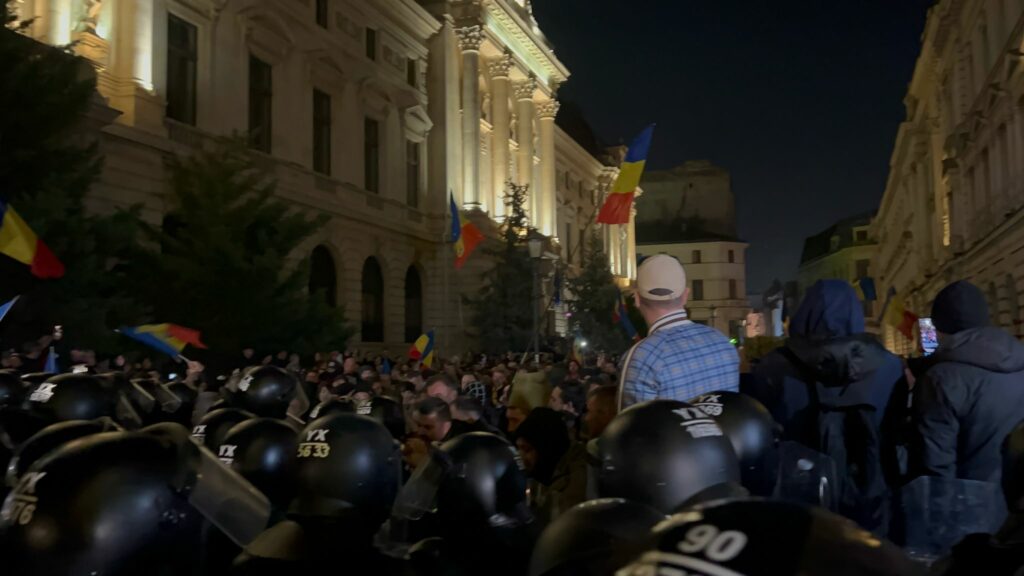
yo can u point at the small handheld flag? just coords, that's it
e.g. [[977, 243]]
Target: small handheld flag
[[465, 235], [423, 349], [6, 307], [621, 316], [170, 339], [51, 362], [865, 288], [897, 316], [616, 207], [18, 241]]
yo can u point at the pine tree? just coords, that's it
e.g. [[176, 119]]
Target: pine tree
[[502, 314], [594, 298], [48, 162], [225, 262]]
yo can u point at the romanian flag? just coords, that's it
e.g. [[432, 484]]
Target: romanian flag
[[617, 205], [167, 338], [465, 235], [423, 349], [18, 241], [865, 288], [621, 316], [897, 316]]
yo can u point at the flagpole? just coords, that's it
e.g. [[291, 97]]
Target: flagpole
[[444, 266]]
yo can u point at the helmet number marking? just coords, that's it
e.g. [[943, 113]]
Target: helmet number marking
[[720, 546]]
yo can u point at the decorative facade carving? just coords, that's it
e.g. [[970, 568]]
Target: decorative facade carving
[[548, 109], [470, 37], [524, 90], [500, 67], [91, 15]]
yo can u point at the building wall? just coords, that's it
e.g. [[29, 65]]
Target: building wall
[[842, 265], [952, 203], [688, 202], [462, 53], [720, 308]]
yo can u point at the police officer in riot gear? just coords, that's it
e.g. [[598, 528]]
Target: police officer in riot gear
[[753, 433], [595, 538], [264, 390], [263, 451], [212, 428], [758, 537], [666, 454]]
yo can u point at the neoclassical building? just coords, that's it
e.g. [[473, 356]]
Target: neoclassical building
[[952, 207], [370, 111]]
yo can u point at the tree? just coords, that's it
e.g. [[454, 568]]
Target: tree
[[594, 298], [48, 161], [502, 314], [225, 262]]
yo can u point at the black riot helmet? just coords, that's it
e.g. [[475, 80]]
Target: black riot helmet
[[754, 537], [49, 439], [666, 454], [12, 389], [331, 406], [72, 397], [263, 451], [212, 428], [118, 503], [265, 390], [390, 414], [1013, 469], [753, 433], [594, 538], [349, 468]]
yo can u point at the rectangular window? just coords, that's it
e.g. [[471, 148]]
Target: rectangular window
[[321, 13], [860, 236], [371, 155], [732, 289], [732, 257], [371, 43], [568, 242], [412, 174], [261, 97], [321, 132], [698, 290], [695, 257], [182, 55], [862, 268], [410, 72]]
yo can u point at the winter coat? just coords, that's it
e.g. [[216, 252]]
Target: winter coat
[[970, 397], [568, 486]]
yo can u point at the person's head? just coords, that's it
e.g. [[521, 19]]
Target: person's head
[[601, 409], [248, 353], [282, 355], [350, 366], [569, 398], [499, 376], [542, 440], [958, 307], [443, 387], [574, 367], [661, 287], [467, 409], [468, 378], [369, 375], [830, 310], [433, 418]]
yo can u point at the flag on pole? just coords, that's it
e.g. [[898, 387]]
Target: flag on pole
[[865, 288], [897, 316], [617, 205], [18, 241], [6, 307], [170, 339], [51, 362], [621, 316], [465, 235], [423, 349]]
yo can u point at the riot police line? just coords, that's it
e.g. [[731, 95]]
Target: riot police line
[[107, 476]]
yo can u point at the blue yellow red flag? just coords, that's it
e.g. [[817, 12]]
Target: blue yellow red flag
[[465, 234], [616, 208], [423, 349], [170, 339]]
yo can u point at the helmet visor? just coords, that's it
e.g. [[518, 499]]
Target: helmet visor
[[228, 500], [419, 495]]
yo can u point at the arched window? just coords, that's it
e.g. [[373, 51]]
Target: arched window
[[373, 301], [413, 305], [323, 279]]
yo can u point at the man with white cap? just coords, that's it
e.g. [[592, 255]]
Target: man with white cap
[[678, 359]]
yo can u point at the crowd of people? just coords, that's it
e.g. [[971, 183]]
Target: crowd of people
[[830, 456]]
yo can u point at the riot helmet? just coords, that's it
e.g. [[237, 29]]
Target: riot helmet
[[753, 433], [666, 454], [754, 537], [594, 538], [390, 414], [72, 397], [49, 439], [348, 468], [331, 406], [12, 389], [265, 390], [212, 428], [263, 451]]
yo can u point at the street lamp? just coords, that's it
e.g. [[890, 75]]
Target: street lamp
[[535, 245]]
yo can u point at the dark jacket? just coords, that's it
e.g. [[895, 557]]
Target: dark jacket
[[970, 397]]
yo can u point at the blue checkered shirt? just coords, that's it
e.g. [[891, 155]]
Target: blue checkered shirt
[[678, 360]]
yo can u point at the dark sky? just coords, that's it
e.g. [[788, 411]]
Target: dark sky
[[799, 99]]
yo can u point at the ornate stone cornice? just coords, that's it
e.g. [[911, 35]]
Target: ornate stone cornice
[[548, 109], [470, 37], [524, 90], [500, 67]]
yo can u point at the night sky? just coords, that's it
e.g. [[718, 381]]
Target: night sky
[[800, 100]]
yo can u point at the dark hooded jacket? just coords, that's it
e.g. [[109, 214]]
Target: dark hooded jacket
[[829, 373], [969, 398]]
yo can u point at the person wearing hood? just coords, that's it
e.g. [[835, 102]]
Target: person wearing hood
[[970, 393], [556, 466], [835, 389]]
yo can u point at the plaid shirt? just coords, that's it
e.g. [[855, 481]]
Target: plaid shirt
[[678, 360]]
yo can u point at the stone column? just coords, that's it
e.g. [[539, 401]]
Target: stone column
[[630, 268], [524, 134], [499, 70], [547, 203], [470, 38]]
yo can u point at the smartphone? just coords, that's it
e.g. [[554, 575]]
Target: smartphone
[[172, 376], [929, 337]]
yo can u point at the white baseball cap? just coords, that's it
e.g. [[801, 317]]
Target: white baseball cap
[[660, 277]]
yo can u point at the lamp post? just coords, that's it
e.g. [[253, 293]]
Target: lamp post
[[535, 246]]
